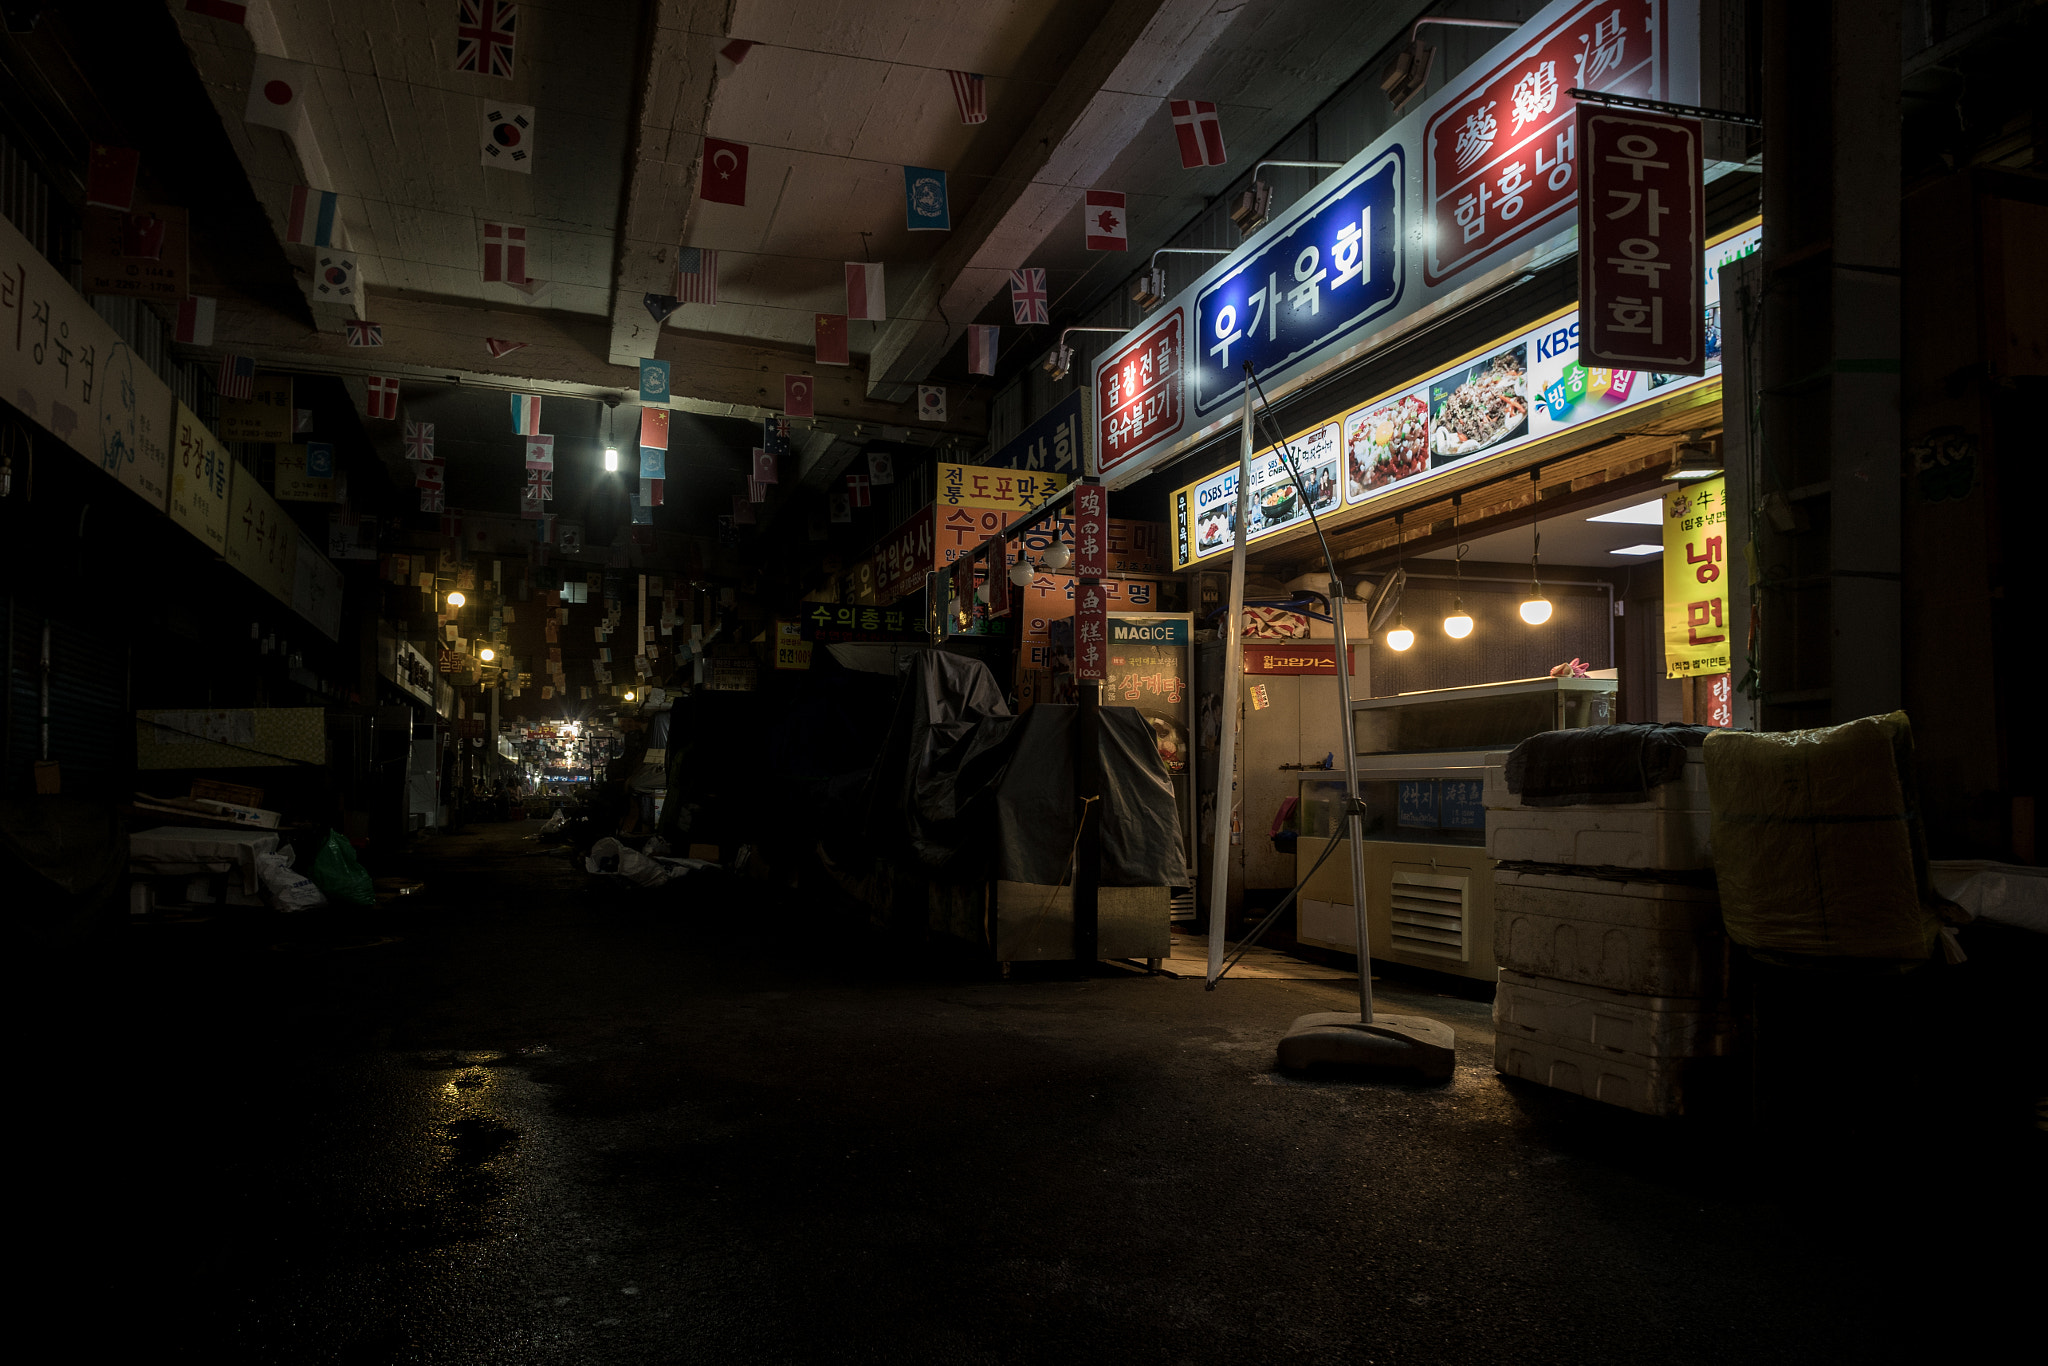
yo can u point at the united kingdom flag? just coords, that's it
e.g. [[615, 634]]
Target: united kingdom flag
[[419, 440], [1027, 296], [484, 35]]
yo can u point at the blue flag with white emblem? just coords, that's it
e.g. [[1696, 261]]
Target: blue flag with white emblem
[[654, 382], [924, 200]]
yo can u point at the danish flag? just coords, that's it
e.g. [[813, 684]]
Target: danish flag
[[857, 490], [505, 254], [383, 398], [1199, 131]]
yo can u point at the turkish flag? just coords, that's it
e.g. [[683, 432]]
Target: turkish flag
[[799, 396], [725, 173], [832, 339]]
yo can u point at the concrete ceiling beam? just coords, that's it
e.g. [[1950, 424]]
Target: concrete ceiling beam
[[1135, 58], [678, 76]]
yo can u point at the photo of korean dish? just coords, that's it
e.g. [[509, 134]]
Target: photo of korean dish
[[1387, 443], [1213, 531], [1279, 503], [1483, 407]]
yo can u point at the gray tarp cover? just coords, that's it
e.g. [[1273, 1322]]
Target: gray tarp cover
[[973, 791], [1141, 843]]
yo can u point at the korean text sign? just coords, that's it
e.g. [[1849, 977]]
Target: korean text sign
[[1138, 389], [1091, 531], [1502, 157], [200, 468], [1642, 220], [1336, 268], [1053, 442], [1699, 626]]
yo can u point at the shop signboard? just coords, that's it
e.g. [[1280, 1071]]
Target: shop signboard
[[1335, 268], [263, 543], [792, 651], [412, 671], [200, 470], [1502, 155], [1139, 393], [297, 476], [828, 622], [266, 415], [71, 373], [139, 255], [316, 588], [904, 557], [998, 490], [1091, 531], [1518, 390], [1091, 633], [1698, 626], [1643, 215], [1475, 184], [1054, 442], [1297, 658], [1149, 669]]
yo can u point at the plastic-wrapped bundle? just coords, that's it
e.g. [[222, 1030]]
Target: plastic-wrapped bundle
[[1816, 844]]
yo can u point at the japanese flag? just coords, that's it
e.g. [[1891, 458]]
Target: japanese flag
[[1102, 218], [278, 92]]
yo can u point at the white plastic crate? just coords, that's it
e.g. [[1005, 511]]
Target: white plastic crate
[[1687, 793], [1613, 1021], [1651, 1086], [1657, 938], [1602, 836]]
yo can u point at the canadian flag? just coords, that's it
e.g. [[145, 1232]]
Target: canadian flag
[[505, 254], [383, 398], [1199, 131], [1102, 218]]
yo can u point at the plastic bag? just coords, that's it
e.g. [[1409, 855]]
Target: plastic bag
[[288, 891], [1814, 842], [609, 856], [337, 873], [554, 823]]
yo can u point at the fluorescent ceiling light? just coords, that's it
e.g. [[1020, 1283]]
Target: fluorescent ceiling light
[[1644, 549], [1642, 514]]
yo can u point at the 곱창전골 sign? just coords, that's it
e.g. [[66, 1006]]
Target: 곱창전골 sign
[[1138, 393], [1642, 220], [1698, 626]]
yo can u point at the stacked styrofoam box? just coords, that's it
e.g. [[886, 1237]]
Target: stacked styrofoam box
[[1612, 982]]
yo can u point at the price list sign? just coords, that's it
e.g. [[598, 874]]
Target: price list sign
[[1091, 633], [1091, 531]]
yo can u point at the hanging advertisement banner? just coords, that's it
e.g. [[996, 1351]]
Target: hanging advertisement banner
[[1698, 626], [1054, 442], [1091, 633], [1518, 390], [1478, 183], [1642, 215], [1091, 531], [71, 374]]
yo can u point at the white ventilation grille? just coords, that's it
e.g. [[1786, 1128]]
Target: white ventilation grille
[[1429, 914]]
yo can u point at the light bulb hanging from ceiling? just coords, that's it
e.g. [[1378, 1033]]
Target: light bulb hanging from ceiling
[[1536, 607], [1458, 624], [1400, 638], [611, 449]]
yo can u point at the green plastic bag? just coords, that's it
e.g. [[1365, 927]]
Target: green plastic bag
[[337, 872]]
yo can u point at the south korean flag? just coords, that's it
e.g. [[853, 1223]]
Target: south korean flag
[[508, 137]]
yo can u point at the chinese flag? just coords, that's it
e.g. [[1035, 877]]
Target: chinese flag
[[832, 339], [725, 173], [654, 428]]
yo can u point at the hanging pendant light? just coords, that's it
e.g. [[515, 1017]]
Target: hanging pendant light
[[1458, 624], [1535, 607], [1400, 638]]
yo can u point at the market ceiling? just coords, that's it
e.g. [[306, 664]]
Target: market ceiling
[[831, 100]]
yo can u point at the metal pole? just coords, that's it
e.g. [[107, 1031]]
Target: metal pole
[[1226, 741], [1354, 828]]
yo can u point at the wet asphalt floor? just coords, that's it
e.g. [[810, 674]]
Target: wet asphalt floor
[[518, 1120]]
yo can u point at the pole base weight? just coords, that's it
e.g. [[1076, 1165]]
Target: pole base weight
[[1338, 1038]]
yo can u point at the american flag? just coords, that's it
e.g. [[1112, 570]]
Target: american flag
[[696, 275], [419, 440], [237, 377], [857, 490], [361, 333], [1027, 296], [970, 92], [484, 35]]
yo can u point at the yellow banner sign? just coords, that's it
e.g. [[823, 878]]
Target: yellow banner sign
[[265, 416], [792, 651], [299, 482], [262, 542], [1699, 624], [998, 490], [200, 470]]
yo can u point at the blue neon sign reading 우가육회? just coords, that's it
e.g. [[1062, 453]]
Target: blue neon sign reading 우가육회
[[1338, 267]]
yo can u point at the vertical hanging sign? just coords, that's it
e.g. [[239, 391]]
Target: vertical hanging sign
[[1642, 225], [1091, 531], [1698, 626], [1138, 394], [1091, 633]]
